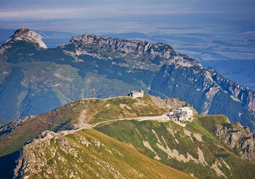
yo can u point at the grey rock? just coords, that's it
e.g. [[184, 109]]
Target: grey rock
[[238, 137], [24, 34]]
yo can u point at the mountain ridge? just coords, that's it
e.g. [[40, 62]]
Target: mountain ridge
[[115, 159], [93, 66], [100, 132], [85, 111], [125, 47]]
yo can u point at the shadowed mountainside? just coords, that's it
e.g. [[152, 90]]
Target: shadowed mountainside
[[35, 79]]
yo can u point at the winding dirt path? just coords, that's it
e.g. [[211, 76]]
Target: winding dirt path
[[82, 124]]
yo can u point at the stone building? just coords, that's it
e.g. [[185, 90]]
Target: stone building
[[136, 94]]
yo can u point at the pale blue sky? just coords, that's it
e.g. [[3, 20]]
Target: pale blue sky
[[118, 16]]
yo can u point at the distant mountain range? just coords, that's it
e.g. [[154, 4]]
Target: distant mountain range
[[241, 71], [35, 79]]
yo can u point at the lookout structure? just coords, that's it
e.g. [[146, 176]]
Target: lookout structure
[[136, 94]]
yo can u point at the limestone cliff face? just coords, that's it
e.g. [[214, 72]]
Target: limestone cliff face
[[24, 34], [126, 46], [237, 92], [207, 91], [171, 103], [29, 162], [98, 46], [238, 137]]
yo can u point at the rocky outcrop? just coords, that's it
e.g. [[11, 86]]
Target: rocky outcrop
[[125, 46], [238, 137], [171, 103], [237, 92], [121, 48], [24, 34], [86, 154], [33, 155]]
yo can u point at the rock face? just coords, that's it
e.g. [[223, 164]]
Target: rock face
[[238, 137], [24, 34], [171, 103], [120, 48], [237, 92], [207, 91], [125, 46], [29, 162]]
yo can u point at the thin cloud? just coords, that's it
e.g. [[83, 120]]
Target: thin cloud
[[113, 15], [97, 11]]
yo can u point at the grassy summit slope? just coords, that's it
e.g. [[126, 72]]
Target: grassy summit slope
[[89, 154], [194, 149], [67, 146], [74, 115]]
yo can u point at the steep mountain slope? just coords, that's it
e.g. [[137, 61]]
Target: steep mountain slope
[[75, 116], [35, 79], [240, 71], [195, 149], [80, 114], [207, 91], [87, 154], [71, 142]]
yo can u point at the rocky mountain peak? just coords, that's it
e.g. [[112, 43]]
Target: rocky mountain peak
[[123, 46], [21, 31], [26, 35], [120, 48]]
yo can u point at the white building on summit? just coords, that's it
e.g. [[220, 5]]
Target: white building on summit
[[181, 114], [136, 94]]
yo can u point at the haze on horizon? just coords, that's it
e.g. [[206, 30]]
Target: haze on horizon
[[118, 16], [207, 30]]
